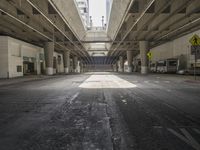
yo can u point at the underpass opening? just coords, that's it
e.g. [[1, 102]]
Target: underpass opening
[[99, 64]]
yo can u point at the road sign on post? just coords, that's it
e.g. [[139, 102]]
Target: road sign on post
[[195, 50], [195, 40], [149, 54]]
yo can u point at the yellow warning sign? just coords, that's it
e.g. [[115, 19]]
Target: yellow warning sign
[[149, 54], [195, 40]]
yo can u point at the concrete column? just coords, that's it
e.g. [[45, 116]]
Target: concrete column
[[144, 47], [66, 57], [75, 64], [115, 67], [121, 64], [135, 64], [81, 66], [48, 51], [130, 60], [55, 65]]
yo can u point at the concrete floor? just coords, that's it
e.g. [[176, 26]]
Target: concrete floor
[[101, 111]]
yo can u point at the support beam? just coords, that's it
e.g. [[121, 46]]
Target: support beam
[[130, 60], [144, 46], [48, 50]]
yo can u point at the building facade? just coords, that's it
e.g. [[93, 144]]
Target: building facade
[[83, 6], [19, 58], [108, 8]]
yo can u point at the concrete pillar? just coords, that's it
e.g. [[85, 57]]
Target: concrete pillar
[[81, 66], [66, 57], [55, 65], [48, 51], [75, 64], [121, 64], [135, 65], [144, 47], [130, 60], [115, 67]]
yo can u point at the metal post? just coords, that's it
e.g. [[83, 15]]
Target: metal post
[[195, 60]]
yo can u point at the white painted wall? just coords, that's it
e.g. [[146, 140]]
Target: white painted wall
[[17, 50], [14, 58], [3, 57], [175, 48], [12, 52]]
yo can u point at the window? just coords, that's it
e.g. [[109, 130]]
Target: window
[[172, 63], [81, 3], [19, 68], [85, 10], [162, 63]]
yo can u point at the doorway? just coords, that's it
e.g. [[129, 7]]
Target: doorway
[[28, 68]]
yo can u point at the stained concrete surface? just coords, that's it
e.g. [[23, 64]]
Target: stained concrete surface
[[101, 111]]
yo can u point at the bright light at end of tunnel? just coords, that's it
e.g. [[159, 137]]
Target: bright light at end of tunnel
[[106, 82]]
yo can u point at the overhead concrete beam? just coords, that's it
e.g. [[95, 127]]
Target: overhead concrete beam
[[34, 23], [166, 18], [117, 16], [146, 7], [59, 26], [70, 12]]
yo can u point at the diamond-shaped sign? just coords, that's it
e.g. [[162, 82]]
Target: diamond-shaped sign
[[195, 40], [149, 54]]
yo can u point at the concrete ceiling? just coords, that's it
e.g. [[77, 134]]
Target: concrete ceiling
[[157, 21], [37, 22]]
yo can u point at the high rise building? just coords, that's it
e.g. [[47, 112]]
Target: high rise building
[[83, 6], [108, 8]]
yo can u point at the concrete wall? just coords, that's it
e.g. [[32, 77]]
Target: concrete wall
[[13, 52], [18, 51], [175, 49], [3, 57]]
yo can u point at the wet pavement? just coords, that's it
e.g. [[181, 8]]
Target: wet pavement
[[101, 111]]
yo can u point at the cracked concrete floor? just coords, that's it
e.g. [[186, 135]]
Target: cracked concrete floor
[[100, 111]]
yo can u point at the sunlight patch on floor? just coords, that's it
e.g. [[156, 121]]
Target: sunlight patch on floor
[[106, 81]]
